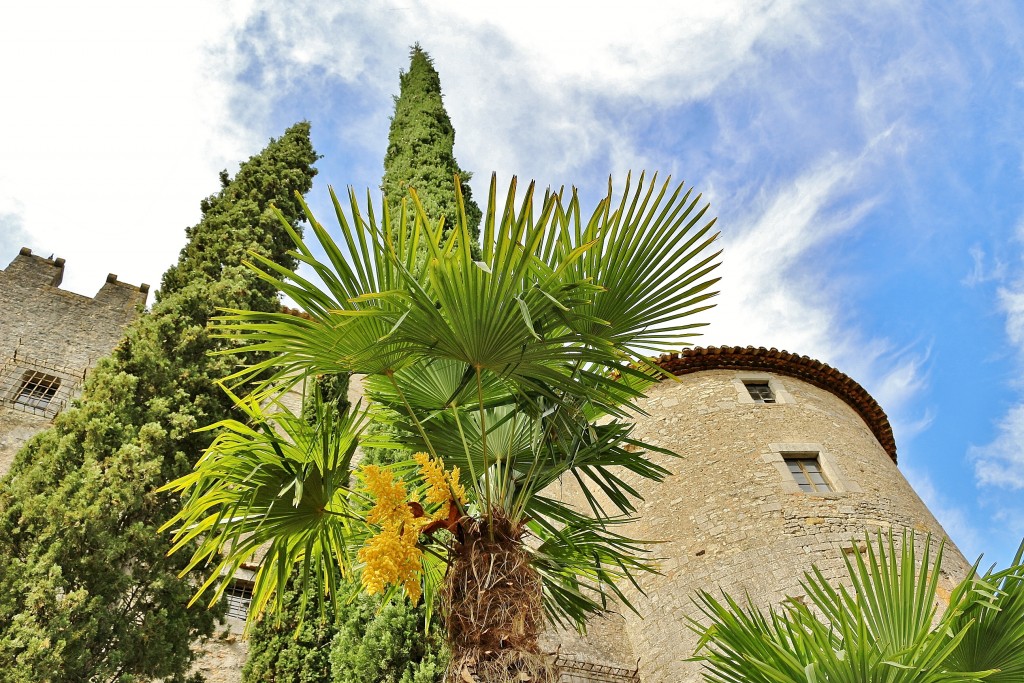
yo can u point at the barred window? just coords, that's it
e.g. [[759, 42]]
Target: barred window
[[239, 597], [37, 390]]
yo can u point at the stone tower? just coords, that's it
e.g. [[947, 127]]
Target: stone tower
[[49, 339], [784, 462]]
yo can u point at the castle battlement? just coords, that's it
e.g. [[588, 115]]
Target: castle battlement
[[28, 270]]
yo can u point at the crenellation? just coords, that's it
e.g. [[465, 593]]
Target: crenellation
[[117, 293], [35, 270]]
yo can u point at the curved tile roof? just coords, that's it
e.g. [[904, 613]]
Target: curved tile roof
[[697, 358]]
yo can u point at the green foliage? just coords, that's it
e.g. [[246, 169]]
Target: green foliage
[[370, 642], [283, 650], [89, 594], [421, 147], [386, 644], [329, 389], [885, 629], [518, 368]]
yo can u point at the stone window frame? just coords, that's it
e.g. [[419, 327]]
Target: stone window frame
[[776, 456], [740, 380]]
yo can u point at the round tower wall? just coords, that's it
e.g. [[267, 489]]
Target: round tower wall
[[732, 515]]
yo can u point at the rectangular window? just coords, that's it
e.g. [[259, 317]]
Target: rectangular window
[[37, 390], [760, 392], [806, 470], [239, 597]]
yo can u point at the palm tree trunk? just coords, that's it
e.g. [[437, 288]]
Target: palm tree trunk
[[493, 608]]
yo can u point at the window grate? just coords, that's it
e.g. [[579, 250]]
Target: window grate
[[37, 390], [760, 392], [37, 387], [239, 597], [574, 669]]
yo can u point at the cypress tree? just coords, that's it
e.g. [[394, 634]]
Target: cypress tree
[[374, 644], [421, 155], [421, 147], [389, 644], [89, 594], [283, 650]]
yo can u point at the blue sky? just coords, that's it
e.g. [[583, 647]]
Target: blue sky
[[865, 162]]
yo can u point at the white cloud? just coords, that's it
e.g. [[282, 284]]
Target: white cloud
[[981, 272], [769, 297], [1011, 303], [534, 80], [1001, 462], [114, 129]]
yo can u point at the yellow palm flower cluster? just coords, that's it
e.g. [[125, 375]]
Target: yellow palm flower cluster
[[391, 557], [444, 487]]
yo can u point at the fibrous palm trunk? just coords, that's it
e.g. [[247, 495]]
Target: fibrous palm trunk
[[493, 608]]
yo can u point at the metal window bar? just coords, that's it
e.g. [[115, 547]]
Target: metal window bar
[[239, 597], [37, 387], [37, 390], [807, 473], [760, 392], [574, 669]]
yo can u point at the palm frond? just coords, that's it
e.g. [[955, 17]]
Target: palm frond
[[882, 626], [519, 363], [994, 624], [273, 484]]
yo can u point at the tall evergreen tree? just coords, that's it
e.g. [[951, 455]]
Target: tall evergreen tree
[[390, 645], [421, 156], [421, 148], [89, 594]]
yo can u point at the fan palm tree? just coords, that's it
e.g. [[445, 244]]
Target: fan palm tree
[[514, 366], [886, 627]]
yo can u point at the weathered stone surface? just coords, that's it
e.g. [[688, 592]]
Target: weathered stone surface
[[222, 657]]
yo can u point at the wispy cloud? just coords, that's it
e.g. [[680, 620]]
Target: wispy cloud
[[1001, 462], [1011, 303], [544, 90], [981, 270]]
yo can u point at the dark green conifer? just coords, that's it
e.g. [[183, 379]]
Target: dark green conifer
[[283, 650], [421, 147], [374, 644], [89, 594]]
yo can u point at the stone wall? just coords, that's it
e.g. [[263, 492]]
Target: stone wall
[[732, 517], [53, 335]]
